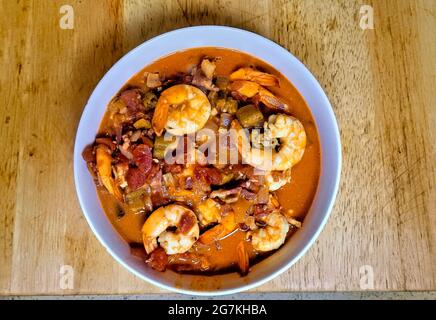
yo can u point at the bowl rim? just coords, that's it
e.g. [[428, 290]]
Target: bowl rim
[[336, 152]]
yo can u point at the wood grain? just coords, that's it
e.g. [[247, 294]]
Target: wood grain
[[380, 82]]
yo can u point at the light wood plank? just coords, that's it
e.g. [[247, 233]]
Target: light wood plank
[[380, 82]]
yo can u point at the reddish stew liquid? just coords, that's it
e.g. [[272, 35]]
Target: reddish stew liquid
[[296, 195]]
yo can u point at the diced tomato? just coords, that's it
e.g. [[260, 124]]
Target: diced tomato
[[142, 157], [136, 177]]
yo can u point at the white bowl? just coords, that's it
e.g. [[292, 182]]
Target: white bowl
[[301, 78]]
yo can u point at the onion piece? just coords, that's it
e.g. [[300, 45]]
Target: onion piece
[[126, 153], [243, 258]]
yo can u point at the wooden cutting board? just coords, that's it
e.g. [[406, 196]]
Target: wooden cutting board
[[381, 83]]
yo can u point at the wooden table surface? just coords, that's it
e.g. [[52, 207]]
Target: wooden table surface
[[381, 83]]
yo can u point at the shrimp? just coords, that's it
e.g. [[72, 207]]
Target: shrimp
[[272, 236], [252, 89], [208, 212], [226, 226], [104, 168], [250, 74], [277, 179], [292, 138], [181, 109], [155, 228]]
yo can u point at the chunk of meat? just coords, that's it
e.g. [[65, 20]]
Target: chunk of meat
[[240, 171], [158, 199], [88, 154], [248, 195], [228, 196], [172, 168], [158, 193], [254, 183], [158, 260], [210, 175], [133, 99], [260, 211]]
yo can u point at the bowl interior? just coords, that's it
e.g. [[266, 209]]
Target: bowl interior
[[289, 66]]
